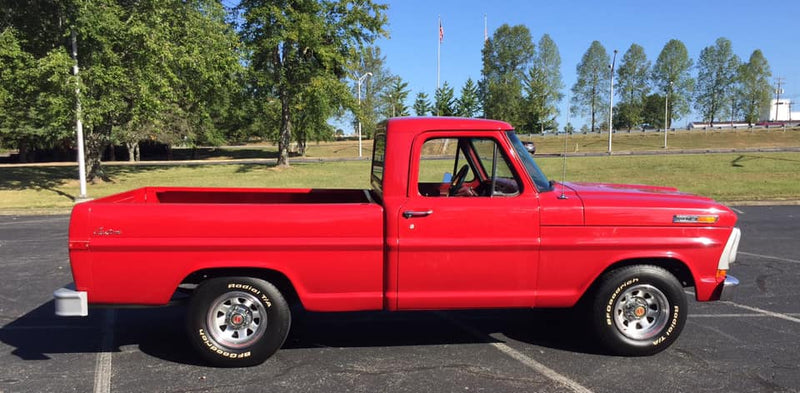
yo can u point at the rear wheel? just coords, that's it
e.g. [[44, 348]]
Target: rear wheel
[[237, 321], [638, 310]]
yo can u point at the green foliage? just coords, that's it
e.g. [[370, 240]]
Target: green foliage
[[653, 111], [542, 85], [754, 89], [374, 87], [632, 86], [507, 55], [671, 74], [422, 105], [716, 74], [468, 104], [395, 98], [444, 101], [590, 91], [35, 106], [296, 41]]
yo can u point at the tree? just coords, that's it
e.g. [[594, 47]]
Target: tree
[[671, 75], [374, 88], [297, 41], [395, 98], [653, 112], [716, 73], [468, 104], [632, 86], [507, 55], [422, 105], [542, 86], [589, 91], [754, 88], [444, 101], [147, 66], [36, 109]]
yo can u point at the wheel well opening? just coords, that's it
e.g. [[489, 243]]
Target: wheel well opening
[[674, 266], [276, 278]]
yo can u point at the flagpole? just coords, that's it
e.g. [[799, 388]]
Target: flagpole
[[439, 52]]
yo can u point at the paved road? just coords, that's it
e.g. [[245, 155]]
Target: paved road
[[750, 344]]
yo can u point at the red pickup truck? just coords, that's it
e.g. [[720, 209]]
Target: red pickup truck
[[459, 216]]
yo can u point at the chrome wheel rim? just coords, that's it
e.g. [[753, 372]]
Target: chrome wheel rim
[[236, 319], [641, 312]]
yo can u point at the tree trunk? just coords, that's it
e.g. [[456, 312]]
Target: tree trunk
[[96, 143], [131, 151], [286, 132]]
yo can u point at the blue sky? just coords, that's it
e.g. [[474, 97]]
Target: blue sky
[[413, 26]]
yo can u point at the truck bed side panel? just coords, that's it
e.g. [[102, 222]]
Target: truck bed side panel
[[140, 252]]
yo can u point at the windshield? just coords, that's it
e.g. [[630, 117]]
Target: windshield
[[538, 178]]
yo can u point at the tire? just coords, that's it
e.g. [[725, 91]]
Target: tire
[[638, 310], [237, 321]]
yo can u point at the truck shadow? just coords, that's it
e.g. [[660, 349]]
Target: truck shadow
[[159, 332]]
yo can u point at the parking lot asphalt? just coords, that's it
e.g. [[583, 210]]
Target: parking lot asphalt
[[750, 344]]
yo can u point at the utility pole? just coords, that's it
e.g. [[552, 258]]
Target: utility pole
[[611, 104], [666, 113], [779, 80], [78, 122], [360, 81]]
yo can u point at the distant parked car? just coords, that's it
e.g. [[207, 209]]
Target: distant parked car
[[530, 147]]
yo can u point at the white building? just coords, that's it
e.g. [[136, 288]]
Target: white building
[[780, 110]]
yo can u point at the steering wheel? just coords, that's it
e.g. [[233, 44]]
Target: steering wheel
[[458, 180]]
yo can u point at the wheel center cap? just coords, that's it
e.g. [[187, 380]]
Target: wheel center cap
[[635, 309], [239, 316]]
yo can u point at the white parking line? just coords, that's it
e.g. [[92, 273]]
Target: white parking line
[[765, 312], [522, 358], [102, 369], [739, 212], [749, 254], [736, 315]]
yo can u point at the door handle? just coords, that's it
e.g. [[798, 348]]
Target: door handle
[[411, 213]]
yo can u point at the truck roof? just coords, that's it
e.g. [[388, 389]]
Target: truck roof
[[439, 123]]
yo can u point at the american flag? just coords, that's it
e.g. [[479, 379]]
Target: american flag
[[441, 31]]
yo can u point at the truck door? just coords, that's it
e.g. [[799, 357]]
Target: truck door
[[469, 230]]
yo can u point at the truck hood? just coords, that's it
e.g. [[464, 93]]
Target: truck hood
[[641, 205]]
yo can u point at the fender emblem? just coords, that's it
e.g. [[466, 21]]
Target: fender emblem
[[106, 232]]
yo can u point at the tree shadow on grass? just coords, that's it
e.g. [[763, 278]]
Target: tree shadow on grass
[[37, 178], [738, 161]]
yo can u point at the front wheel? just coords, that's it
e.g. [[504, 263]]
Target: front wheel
[[638, 310], [237, 321]]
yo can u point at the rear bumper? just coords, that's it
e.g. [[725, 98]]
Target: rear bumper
[[728, 288], [71, 303]]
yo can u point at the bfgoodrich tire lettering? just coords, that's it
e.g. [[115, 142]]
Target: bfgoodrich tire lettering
[[638, 310], [237, 321]]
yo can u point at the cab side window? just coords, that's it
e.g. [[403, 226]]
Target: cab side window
[[465, 167]]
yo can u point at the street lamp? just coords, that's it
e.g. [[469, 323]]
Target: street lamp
[[666, 113], [611, 104], [360, 81]]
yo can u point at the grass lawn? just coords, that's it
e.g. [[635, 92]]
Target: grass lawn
[[726, 177], [676, 140]]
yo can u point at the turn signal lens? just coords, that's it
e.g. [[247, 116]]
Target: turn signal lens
[[690, 219], [721, 274]]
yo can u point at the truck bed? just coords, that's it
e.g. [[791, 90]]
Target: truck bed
[[179, 195], [136, 247]]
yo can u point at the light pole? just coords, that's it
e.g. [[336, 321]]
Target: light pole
[[666, 113], [358, 116], [611, 104]]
